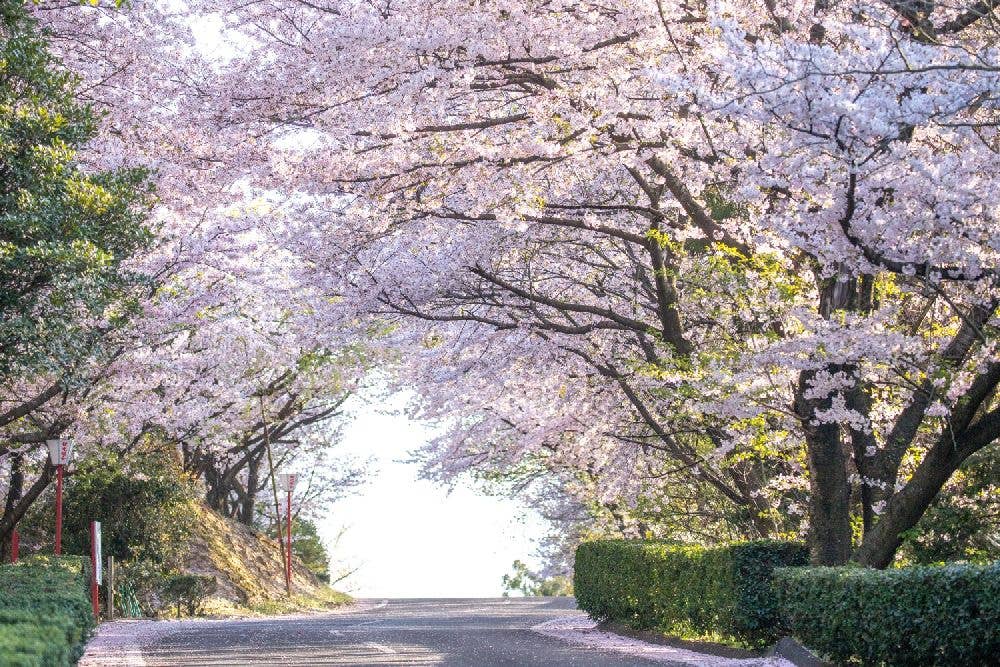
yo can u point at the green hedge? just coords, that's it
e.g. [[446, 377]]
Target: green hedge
[[944, 615], [45, 613], [685, 590]]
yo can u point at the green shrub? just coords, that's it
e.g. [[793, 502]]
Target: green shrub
[[945, 615], [188, 590], [45, 612], [688, 591]]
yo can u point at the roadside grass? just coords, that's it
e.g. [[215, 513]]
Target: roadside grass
[[324, 599], [711, 643]]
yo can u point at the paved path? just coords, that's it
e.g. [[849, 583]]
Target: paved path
[[519, 632], [480, 633]]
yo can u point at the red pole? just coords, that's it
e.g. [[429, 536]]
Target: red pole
[[15, 546], [59, 484], [94, 601], [288, 543]]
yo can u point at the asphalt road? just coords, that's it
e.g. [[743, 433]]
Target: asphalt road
[[475, 633]]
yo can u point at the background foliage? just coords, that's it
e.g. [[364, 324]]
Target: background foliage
[[140, 499], [531, 584], [963, 523]]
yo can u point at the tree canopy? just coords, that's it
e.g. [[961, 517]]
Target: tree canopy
[[674, 268]]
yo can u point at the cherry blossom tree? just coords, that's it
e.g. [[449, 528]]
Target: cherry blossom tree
[[769, 230]]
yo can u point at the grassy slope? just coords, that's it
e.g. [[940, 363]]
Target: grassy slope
[[249, 571]]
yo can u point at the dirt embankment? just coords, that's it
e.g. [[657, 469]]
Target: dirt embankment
[[249, 570]]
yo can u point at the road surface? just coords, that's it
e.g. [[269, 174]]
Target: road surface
[[476, 633]]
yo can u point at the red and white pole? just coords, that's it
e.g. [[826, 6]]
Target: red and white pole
[[59, 485], [288, 541], [95, 564], [15, 546], [59, 453], [287, 481]]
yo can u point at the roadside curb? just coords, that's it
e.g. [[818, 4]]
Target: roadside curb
[[579, 630], [708, 648], [786, 647], [796, 653]]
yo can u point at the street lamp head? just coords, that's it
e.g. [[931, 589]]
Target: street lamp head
[[60, 451], [287, 480]]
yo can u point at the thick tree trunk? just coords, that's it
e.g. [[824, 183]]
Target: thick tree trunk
[[215, 495], [249, 501], [14, 490], [830, 506], [15, 509], [828, 458]]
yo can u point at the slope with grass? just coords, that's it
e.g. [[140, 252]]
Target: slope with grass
[[249, 570]]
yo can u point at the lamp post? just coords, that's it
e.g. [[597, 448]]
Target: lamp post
[[60, 452], [287, 481]]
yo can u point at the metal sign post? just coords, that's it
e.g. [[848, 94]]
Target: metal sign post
[[95, 565], [274, 491], [59, 453], [287, 481], [111, 588]]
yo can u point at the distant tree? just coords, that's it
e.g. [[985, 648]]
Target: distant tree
[[530, 584], [309, 548]]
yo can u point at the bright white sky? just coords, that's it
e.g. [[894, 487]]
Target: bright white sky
[[411, 537]]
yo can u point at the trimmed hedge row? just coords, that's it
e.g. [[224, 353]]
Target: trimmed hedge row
[[685, 590], [45, 614], [937, 615]]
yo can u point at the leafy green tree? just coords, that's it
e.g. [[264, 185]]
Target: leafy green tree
[[69, 236], [308, 547], [66, 233]]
